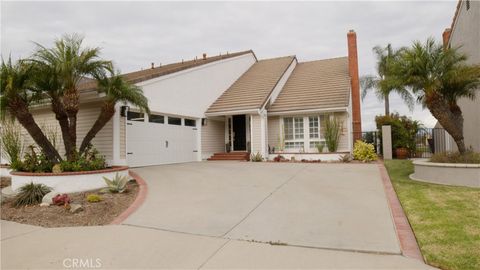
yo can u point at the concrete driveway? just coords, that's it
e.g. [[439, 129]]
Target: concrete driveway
[[333, 206], [198, 216]]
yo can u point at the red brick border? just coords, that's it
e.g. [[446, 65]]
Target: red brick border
[[408, 242], [107, 170], [142, 194]]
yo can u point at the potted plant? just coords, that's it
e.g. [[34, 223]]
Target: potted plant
[[401, 148]]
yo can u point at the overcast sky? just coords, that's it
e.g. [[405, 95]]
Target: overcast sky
[[134, 34]]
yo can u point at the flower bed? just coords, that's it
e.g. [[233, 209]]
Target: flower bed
[[456, 174], [67, 182]]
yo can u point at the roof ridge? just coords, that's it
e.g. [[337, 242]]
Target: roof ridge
[[279, 57], [326, 59]]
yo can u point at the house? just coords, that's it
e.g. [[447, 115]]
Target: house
[[465, 34], [232, 104]]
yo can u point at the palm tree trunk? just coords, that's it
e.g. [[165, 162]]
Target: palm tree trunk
[[19, 109], [387, 105], [106, 113], [71, 100], [62, 118], [450, 117]]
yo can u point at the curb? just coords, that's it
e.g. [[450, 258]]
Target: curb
[[408, 242], [142, 194]]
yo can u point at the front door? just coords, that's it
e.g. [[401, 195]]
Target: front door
[[239, 133]]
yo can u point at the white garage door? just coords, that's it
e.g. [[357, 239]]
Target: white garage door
[[160, 143]]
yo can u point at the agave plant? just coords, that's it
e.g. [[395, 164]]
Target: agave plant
[[118, 184], [31, 194]]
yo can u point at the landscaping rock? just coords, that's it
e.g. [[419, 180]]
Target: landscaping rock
[[48, 197], [44, 204], [7, 193], [75, 208]]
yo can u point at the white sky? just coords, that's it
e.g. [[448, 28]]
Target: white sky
[[134, 34]]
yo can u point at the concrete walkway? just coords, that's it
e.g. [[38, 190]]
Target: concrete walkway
[[232, 215]]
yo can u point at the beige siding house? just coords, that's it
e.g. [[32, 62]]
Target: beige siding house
[[464, 33], [226, 107]]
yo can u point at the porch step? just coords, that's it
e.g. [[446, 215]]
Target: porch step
[[231, 156]]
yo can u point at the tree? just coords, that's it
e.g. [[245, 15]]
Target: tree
[[116, 89], [438, 77], [381, 83], [17, 95], [60, 69]]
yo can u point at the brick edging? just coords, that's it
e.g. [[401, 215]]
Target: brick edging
[[408, 242], [142, 194]]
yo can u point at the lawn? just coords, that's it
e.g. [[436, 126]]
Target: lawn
[[445, 219]]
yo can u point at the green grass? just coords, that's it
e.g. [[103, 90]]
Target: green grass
[[445, 219]]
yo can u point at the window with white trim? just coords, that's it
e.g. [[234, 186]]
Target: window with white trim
[[293, 131]]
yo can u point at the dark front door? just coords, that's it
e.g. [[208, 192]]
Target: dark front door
[[239, 131]]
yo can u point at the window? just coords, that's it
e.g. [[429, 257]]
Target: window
[[156, 118], [293, 145], [293, 132], [174, 121], [288, 128], [190, 122], [135, 116], [314, 127], [298, 127]]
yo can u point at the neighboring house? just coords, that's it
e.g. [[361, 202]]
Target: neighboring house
[[227, 103], [465, 33]]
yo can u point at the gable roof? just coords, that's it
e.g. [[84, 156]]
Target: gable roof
[[151, 73], [320, 84], [253, 88]]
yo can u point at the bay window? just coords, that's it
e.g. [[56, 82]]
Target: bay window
[[303, 133]]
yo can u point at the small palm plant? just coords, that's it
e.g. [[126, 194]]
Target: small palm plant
[[118, 184], [439, 77], [31, 194]]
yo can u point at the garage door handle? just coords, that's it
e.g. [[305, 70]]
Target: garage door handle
[[129, 153]]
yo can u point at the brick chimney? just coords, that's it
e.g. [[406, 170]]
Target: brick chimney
[[354, 84], [446, 36], [204, 56]]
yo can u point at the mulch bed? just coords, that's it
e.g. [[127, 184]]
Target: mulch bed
[[98, 213]]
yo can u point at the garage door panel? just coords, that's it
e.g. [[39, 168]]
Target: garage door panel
[[153, 144]]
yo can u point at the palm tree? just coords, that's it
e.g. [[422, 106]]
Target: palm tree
[[116, 89], [70, 62], [439, 76], [17, 95], [381, 83]]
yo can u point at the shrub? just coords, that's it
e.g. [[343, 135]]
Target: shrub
[[345, 158], [116, 185], [31, 194], [33, 162], [455, 157], [332, 133], [278, 158], [11, 142], [404, 130], [91, 160], [61, 199], [256, 157], [320, 147], [93, 198], [364, 151]]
